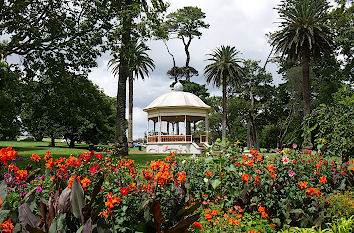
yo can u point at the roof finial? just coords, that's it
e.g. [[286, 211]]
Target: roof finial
[[178, 86]]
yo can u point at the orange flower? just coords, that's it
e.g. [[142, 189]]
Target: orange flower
[[323, 179], [233, 221], [50, 163], [181, 176], [85, 182], [70, 182], [208, 216], [36, 157], [271, 168], [104, 214], [0, 202], [12, 167], [7, 226], [47, 156], [7, 154], [312, 192], [197, 225], [273, 175], [245, 178], [262, 211], [303, 185], [168, 158], [112, 200], [209, 173], [214, 212], [21, 174]]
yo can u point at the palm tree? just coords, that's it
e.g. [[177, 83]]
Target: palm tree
[[224, 69], [304, 33], [139, 64]]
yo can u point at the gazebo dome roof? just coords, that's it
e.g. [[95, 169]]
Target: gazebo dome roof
[[178, 99]]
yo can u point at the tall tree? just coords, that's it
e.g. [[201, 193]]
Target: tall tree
[[139, 65], [304, 33], [223, 70], [185, 24], [131, 30]]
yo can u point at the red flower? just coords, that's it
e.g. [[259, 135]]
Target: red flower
[[245, 178], [124, 191], [7, 226], [209, 173], [197, 225]]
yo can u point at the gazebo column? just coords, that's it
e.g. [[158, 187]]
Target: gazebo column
[[207, 128], [168, 127], [147, 130], [154, 128], [160, 128], [177, 127], [185, 128]]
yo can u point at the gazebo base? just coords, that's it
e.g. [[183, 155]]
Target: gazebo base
[[179, 147]]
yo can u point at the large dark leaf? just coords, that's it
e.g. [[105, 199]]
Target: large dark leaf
[[183, 225], [3, 215], [33, 230], [156, 212], [59, 224], [87, 228], [51, 211], [26, 216], [77, 199], [64, 200], [29, 193], [87, 209], [3, 190]]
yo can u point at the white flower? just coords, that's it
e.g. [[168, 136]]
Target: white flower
[[206, 180], [184, 161]]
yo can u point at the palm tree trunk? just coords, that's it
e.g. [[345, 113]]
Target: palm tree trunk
[[121, 137], [130, 119], [224, 109], [306, 86]]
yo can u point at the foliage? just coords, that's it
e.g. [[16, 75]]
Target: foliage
[[305, 25], [332, 124], [185, 24], [10, 104], [341, 204], [70, 107], [341, 225]]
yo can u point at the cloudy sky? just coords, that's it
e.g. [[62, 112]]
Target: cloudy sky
[[240, 23]]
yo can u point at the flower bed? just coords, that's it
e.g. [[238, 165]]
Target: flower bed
[[221, 191]]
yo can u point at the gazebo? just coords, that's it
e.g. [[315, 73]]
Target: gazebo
[[172, 109]]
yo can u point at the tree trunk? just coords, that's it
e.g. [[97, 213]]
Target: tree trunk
[[224, 109], [306, 86], [52, 140], [173, 60], [130, 119], [252, 141], [121, 137], [186, 49], [72, 143]]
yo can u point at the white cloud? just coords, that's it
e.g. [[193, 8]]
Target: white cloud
[[240, 23]]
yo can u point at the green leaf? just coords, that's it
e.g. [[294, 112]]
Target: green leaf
[[215, 183], [185, 212], [209, 159], [231, 168], [276, 221], [296, 211], [77, 199]]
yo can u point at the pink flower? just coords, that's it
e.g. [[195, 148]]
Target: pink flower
[[39, 189], [291, 173], [294, 145], [285, 159], [277, 150]]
